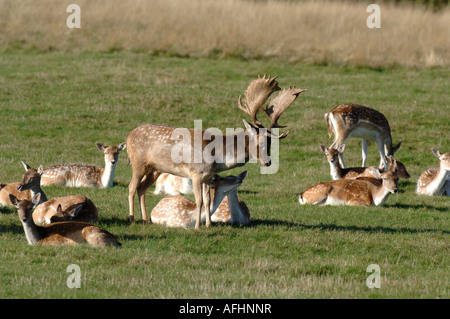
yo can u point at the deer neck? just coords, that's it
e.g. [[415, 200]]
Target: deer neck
[[31, 231], [216, 199], [237, 215], [336, 170], [379, 194], [437, 183], [108, 174], [36, 189]]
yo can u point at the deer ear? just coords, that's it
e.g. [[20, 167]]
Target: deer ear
[[249, 126], [436, 152], [323, 148], [396, 147], [40, 170], [122, 146], [242, 175], [25, 165], [375, 172], [36, 198], [341, 148], [100, 146], [13, 199]]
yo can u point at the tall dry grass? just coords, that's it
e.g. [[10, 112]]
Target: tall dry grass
[[317, 32]]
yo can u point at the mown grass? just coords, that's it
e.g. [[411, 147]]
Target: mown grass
[[55, 106]]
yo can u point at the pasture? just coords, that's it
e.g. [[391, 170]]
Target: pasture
[[54, 106]]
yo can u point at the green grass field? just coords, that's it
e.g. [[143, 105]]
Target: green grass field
[[55, 106]]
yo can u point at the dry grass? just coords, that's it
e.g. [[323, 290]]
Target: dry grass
[[316, 32]]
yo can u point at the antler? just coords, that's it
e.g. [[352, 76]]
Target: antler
[[256, 95], [280, 103]]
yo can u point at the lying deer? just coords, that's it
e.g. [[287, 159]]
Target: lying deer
[[173, 185], [351, 120], [436, 181], [85, 175], [354, 192], [75, 207], [232, 210], [62, 233], [150, 147], [179, 211], [337, 172], [11, 188]]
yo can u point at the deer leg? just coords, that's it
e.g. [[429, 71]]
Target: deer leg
[[142, 189], [365, 148], [197, 187], [207, 202], [381, 150], [138, 175]]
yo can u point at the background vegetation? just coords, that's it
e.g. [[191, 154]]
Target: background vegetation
[[62, 90]]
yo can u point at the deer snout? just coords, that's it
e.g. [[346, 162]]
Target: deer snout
[[395, 190], [113, 162], [268, 163], [19, 188]]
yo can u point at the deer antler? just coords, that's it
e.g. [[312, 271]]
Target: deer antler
[[256, 95], [280, 103]]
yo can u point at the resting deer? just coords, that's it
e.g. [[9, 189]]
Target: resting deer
[[62, 233], [350, 120], [232, 210], [179, 211], [436, 181], [75, 207], [11, 188], [354, 192], [337, 172], [85, 175], [172, 185], [150, 147]]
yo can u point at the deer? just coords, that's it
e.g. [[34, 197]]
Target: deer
[[11, 188], [172, 185], [232, 210], [337, 172], [351, 120], [436, 181], [60, 233], [85, 175], [179, 211], [74, 207], [150, 147], [354, 192]]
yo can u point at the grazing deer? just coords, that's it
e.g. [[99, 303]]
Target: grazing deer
[[337, 172], [436, 181], [74, 207], [150, 148], [61, 233], [173, 185], [11, 188], [232, 210], [350, 120], [85, 175], [354, 192], [179, 211]]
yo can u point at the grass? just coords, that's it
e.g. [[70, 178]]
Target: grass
[[55, 106]]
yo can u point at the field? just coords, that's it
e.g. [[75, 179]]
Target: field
[[55, 106]]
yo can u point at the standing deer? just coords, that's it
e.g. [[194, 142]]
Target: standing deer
[[74, 207], [61, 233], [85, 175], [351, 120], [337, 172], [436, 181], [150, 147], [354, 192], [172, 185], [232, 210], [179, 211]]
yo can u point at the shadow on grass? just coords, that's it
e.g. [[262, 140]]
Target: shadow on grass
[[334, 227]]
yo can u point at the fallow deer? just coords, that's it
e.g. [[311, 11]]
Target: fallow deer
[[11, 188], [179, 211], [353, 192], [232, 210], [46, 211], [60, 233], [337, 172], [436, 181], [351, 120], [85, 175], [150, 147], [173, 185]]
